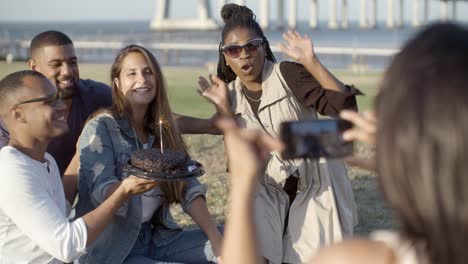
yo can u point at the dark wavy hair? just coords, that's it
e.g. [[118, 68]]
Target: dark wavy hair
[[236, 16], [422, 141]]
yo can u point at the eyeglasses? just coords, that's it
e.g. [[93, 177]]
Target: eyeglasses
[[50, 99], [235, 50]]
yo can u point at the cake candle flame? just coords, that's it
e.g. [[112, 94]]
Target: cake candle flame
[[160, 136]]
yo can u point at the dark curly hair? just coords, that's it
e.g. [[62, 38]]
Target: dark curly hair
[[236, 16]]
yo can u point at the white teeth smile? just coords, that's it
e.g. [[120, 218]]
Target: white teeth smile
[[141, 90], [65, 83]]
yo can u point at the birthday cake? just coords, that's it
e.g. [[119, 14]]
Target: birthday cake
[[152, 160]]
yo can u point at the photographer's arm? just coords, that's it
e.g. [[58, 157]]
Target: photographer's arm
[[248, 151]]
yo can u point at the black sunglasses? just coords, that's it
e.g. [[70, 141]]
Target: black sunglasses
[[52, 99], [235, 50]]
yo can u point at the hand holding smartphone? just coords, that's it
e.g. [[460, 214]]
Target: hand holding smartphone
[[315, 139]]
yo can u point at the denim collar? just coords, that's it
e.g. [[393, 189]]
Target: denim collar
[[126, 128]]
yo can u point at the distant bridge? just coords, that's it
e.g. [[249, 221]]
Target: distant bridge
[[367, 16], [171, 49], [214, 47]]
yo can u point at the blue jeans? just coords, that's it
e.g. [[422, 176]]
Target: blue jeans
[[191, 247]]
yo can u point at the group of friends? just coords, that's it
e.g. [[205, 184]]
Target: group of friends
[[65, 139]]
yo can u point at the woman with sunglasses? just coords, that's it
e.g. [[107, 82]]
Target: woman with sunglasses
[[301, 205]]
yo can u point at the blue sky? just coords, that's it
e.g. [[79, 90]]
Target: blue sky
[[142, 10]]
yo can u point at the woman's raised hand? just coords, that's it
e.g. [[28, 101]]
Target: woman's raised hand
[[364, 130], [299, 48], [216, 92]]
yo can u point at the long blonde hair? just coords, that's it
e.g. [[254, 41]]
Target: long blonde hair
[[158, 108]]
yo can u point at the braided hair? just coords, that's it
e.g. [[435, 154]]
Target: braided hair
[[236, 16]]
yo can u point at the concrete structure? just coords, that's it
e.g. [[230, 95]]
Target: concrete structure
[[280, 16], [444, 10], [445, 13], [264, 14], [373, 14], [367, 16], [426, 12], [454, 9], [313, 22], [363, 14], [292, 18], [332, 16], [400, 14], [390, 14], [162, 21], [415, 18], [344, 14]]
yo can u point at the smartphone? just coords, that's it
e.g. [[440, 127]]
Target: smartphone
[[315, 139]]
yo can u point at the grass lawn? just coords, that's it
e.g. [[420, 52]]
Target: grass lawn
[[209, 150], [182, 83]]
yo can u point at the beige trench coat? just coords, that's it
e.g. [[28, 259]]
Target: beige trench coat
[[323, 211]]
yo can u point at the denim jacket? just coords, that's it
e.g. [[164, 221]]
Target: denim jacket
[[105, 144]]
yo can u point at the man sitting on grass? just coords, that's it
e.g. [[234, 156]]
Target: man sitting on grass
[[33, 220], [53, 55]]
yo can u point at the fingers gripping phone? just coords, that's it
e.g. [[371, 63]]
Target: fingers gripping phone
[[315, 139]]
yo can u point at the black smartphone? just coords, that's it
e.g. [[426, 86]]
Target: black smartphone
[[315, 139]]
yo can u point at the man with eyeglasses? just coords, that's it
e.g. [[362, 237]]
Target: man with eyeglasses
[[53, 55], [34, 227]]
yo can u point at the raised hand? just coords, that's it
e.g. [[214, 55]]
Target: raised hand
[[133, 185], [299, 48], [364, 130], [216, 92], [365, 126]]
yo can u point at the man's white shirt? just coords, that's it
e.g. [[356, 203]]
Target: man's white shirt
[[33, 220]]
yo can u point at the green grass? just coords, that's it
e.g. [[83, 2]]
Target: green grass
[[182, 84], [209, 150]]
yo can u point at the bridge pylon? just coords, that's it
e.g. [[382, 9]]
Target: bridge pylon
[[204, 20]]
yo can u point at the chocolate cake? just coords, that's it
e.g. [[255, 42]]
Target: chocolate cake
[[152, 160]]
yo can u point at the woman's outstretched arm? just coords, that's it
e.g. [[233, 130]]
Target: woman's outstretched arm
[[301, 49]]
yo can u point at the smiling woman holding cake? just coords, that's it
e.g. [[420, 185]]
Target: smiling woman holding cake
[[143, 231]]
